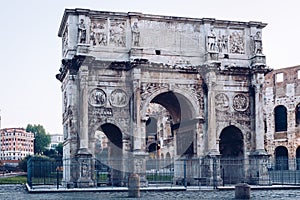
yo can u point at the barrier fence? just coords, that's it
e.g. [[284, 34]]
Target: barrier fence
[[201, 172]]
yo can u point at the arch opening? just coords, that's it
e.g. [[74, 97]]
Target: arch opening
[[231, 148], [113, 159], [178, 114], [231, 143], [280, 113], [281, 158]]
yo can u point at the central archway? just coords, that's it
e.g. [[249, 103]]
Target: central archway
[[183, 126], [232, 153]]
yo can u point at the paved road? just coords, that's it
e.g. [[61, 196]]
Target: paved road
[[18, 192]]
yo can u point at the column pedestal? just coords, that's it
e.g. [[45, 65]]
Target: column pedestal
[[259, 175], [213, 170], [139, 167], [85, 174]]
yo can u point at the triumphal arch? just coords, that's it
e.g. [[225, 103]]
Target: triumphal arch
[[207, 73]]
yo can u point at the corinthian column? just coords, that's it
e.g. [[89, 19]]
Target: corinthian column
[[83, 109], [257, 83], [211, 115]]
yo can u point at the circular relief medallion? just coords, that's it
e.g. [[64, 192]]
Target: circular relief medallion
[[118, 98], [240, 102], [97, 97], [221, 102]]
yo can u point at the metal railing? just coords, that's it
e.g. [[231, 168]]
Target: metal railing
[[197, 171]]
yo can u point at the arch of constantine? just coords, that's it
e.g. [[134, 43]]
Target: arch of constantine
[[206, 74]]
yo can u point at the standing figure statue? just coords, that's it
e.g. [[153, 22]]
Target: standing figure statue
[[81, 32], [135, 34]]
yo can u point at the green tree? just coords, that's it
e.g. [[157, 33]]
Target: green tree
[[23, 163], [59, 149], [41, 139]]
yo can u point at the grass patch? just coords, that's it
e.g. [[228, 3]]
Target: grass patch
[[14, 180], [158, 178]]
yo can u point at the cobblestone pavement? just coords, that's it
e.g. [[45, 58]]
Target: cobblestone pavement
[[16, 192]]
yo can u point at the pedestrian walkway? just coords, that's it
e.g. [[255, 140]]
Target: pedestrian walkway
[[53, 189], [263, 187]]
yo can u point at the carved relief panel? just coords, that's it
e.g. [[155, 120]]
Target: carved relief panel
[[240, 102], [104, 32], [65, 40], [117, 33], [118, 98], [237, 42], [225, 41], [98, 32], [221, 102], [97, 97]]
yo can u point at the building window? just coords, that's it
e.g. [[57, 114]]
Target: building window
[[297, 115], [279, 77], [280, 118]]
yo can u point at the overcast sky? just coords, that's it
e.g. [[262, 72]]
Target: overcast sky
[[31, 50]]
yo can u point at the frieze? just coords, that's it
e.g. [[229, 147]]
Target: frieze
[[102, 112], [221, 102], [242, 118], [118, 98], [65, 40], [240, 102], [68, 114], [65, 101], [97, 97]]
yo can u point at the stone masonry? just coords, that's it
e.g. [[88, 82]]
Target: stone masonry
[[207, 73], [282, 88]]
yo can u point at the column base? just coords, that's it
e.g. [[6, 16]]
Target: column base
[[139, 166], [85, 169], [259, 175]]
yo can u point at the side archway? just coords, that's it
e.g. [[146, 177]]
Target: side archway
[[231, 148], [115, 153], [231, 143]]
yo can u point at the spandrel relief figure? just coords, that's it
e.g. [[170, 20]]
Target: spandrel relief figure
[[81, 32], [135, 34]]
